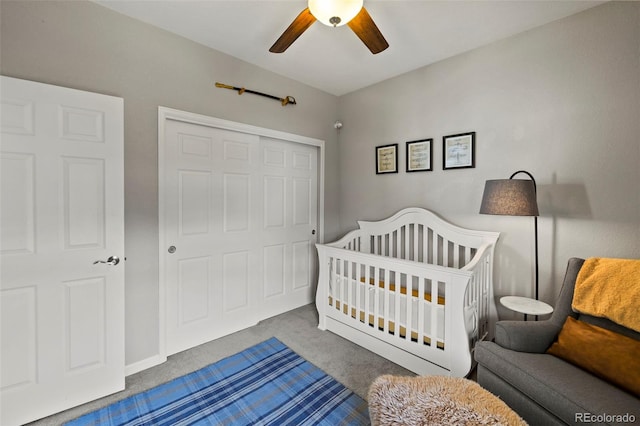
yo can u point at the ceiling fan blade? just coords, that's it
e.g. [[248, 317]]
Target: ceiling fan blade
[[297, 27], [368, 32]]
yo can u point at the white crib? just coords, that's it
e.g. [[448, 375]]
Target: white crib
[[412, 288]]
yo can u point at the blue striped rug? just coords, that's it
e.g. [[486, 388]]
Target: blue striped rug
[[267, 384]]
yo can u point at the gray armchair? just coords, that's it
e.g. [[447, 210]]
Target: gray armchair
[[544, 389]]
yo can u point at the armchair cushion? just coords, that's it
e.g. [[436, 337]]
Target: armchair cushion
[[608, 355], [532, 337]]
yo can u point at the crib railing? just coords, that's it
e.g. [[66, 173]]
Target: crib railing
[[410, 235], [384, 295], [420, 243]]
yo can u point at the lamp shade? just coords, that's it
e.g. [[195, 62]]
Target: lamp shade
[[335, 13], [512, 197]]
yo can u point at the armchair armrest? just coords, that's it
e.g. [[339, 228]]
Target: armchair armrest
[[537, 336], [523, 336]]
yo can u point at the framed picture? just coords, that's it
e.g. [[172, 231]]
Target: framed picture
[[459, 151], [387, 159], [419, 155]]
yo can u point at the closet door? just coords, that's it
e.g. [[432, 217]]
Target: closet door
[[62, 210], [240, 221]]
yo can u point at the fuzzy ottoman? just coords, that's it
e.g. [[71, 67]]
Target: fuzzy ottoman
[[435, 400]]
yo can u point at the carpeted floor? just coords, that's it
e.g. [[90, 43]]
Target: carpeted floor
[[347, 362]]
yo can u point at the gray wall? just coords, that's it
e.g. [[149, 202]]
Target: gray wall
[[561, 101], [86, 46]]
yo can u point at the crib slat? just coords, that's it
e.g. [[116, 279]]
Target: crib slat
[[386, 300], [337, 282], [332, 280], [409, 308], [358, 285], [345, 285], [416, 243], [421, 305], [350, 287], [396, 310], [367, 293], [338, 289], [434, 314], [376, 299]]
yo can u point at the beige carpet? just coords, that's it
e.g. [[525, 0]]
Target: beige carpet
[[435, 400]]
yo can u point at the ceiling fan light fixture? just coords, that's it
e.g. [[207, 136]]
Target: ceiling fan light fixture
[[335, 13]]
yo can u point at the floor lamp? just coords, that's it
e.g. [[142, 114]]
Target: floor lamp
[[513, 197]]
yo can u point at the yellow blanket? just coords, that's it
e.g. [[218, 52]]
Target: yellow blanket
[[609, 288]]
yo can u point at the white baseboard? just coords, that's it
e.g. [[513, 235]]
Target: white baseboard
[[139, 366]]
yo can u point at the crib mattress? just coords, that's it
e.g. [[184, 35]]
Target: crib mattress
[[403, 290]]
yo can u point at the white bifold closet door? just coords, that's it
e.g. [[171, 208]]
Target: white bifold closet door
[[240, 228], [62, 210]]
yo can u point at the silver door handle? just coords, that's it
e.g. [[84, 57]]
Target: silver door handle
[[112, 260]]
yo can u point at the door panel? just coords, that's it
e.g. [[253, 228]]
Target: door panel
[[193, 289], [62, 198], [18, 203], [193, 207], [85, 317], [18, 338], [248, 205], [83, 205]]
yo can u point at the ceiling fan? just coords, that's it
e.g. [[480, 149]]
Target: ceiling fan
[[334, 13]]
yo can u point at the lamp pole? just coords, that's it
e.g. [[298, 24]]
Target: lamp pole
[[535, 228]]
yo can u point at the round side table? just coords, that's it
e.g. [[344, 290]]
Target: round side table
[[525, 305]]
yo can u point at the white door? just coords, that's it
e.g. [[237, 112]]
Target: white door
[[240, 228], [62, 209]]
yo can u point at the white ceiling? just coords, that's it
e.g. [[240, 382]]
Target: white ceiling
[[334, 60]]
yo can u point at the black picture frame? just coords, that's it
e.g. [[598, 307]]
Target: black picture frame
[[387, 159], [419, 156], [459, 151]]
